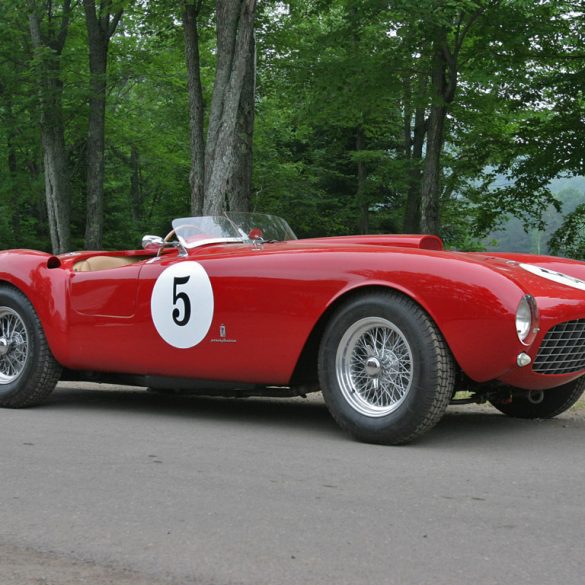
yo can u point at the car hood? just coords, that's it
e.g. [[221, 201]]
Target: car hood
[[541, 276]]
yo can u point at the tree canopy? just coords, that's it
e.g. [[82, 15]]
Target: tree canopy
[[343, 116]]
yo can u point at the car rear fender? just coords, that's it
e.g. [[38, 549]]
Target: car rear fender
[[39, 277]]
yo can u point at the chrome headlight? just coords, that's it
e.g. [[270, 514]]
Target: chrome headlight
[[526, 319]]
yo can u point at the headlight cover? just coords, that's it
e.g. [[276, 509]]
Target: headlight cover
[[527, 320]]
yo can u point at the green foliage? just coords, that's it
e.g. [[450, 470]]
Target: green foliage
[[338, 85], [512, 235], [569, 240], [332, 108]]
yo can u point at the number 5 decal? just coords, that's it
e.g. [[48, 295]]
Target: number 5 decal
[[182, 296], [182, 304]]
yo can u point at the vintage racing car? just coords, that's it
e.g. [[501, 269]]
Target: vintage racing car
[[389, 327]]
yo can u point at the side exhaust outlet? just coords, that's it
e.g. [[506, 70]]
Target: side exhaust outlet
[[536, 397]]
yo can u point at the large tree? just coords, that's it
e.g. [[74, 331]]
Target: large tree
[[102, 21], [330, 90], [221, 164], [343, 112], [191, 13], [49, 25], [448, 32]]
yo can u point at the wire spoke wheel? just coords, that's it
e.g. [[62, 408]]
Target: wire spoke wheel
[[14, 345], [28, 369], [374, 366], [385, 371]]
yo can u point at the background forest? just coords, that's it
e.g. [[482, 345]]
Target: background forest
[[343, 116]]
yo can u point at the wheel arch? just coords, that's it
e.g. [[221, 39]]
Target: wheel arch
[[7, 282], [11, 283], [305, 371], [48, 303], [32, 373]]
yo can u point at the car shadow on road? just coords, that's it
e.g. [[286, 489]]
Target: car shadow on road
[[470, 426], [484, 427], [294, 412]]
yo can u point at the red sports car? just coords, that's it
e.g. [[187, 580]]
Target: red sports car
[[389, 327]]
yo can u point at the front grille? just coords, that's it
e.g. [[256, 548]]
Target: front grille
[[562, 350]]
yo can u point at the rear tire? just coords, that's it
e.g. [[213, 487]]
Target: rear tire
[[386, 372], [28, 370], [554, 401]]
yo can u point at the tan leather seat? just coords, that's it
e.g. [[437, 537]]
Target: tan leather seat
[[104, 263]]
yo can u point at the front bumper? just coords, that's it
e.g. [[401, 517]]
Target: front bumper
[[557, 358]]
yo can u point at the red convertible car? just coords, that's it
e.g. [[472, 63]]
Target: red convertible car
[[388, 327]]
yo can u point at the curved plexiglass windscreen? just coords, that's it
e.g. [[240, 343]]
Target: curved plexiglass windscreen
[[231, 227], [270, 228]]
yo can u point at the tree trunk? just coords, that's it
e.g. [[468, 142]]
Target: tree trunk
[[227, 14], [96, 145], [444, 85], [442, 94], [12, 161], [57, 183], [197, 174], [414, 152], [100, 29], [361, 185], [430, 186], [57, 179], [135, 185], [235, 26], [240, 182]]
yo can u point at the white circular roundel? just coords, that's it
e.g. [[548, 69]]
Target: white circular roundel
[[555, 276], [182, 304]]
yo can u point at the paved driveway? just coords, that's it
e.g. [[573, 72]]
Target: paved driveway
[[124, 487]]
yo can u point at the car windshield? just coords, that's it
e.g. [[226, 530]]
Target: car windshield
[[231, 227]]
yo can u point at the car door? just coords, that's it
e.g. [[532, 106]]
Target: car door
[[102, 316], [229, 313], [188, 320], [105, 293]]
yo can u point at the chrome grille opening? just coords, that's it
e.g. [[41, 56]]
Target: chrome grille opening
[[562, 350]]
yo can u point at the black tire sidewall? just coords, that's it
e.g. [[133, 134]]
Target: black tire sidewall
[[421, 398], [555, 401], [16, 301]]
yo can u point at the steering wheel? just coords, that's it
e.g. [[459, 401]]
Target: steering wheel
[[169, 236], [172, 234], [166, 240]]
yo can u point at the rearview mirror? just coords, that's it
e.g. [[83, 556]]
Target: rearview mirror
[[152, 243]]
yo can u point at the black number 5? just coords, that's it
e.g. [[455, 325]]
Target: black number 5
[[181, 296]]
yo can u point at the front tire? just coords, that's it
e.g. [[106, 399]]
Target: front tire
[[554, 401], [28, 370], [386, 372]]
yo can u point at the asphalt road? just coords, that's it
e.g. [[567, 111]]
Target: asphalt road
[[128, 488]]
